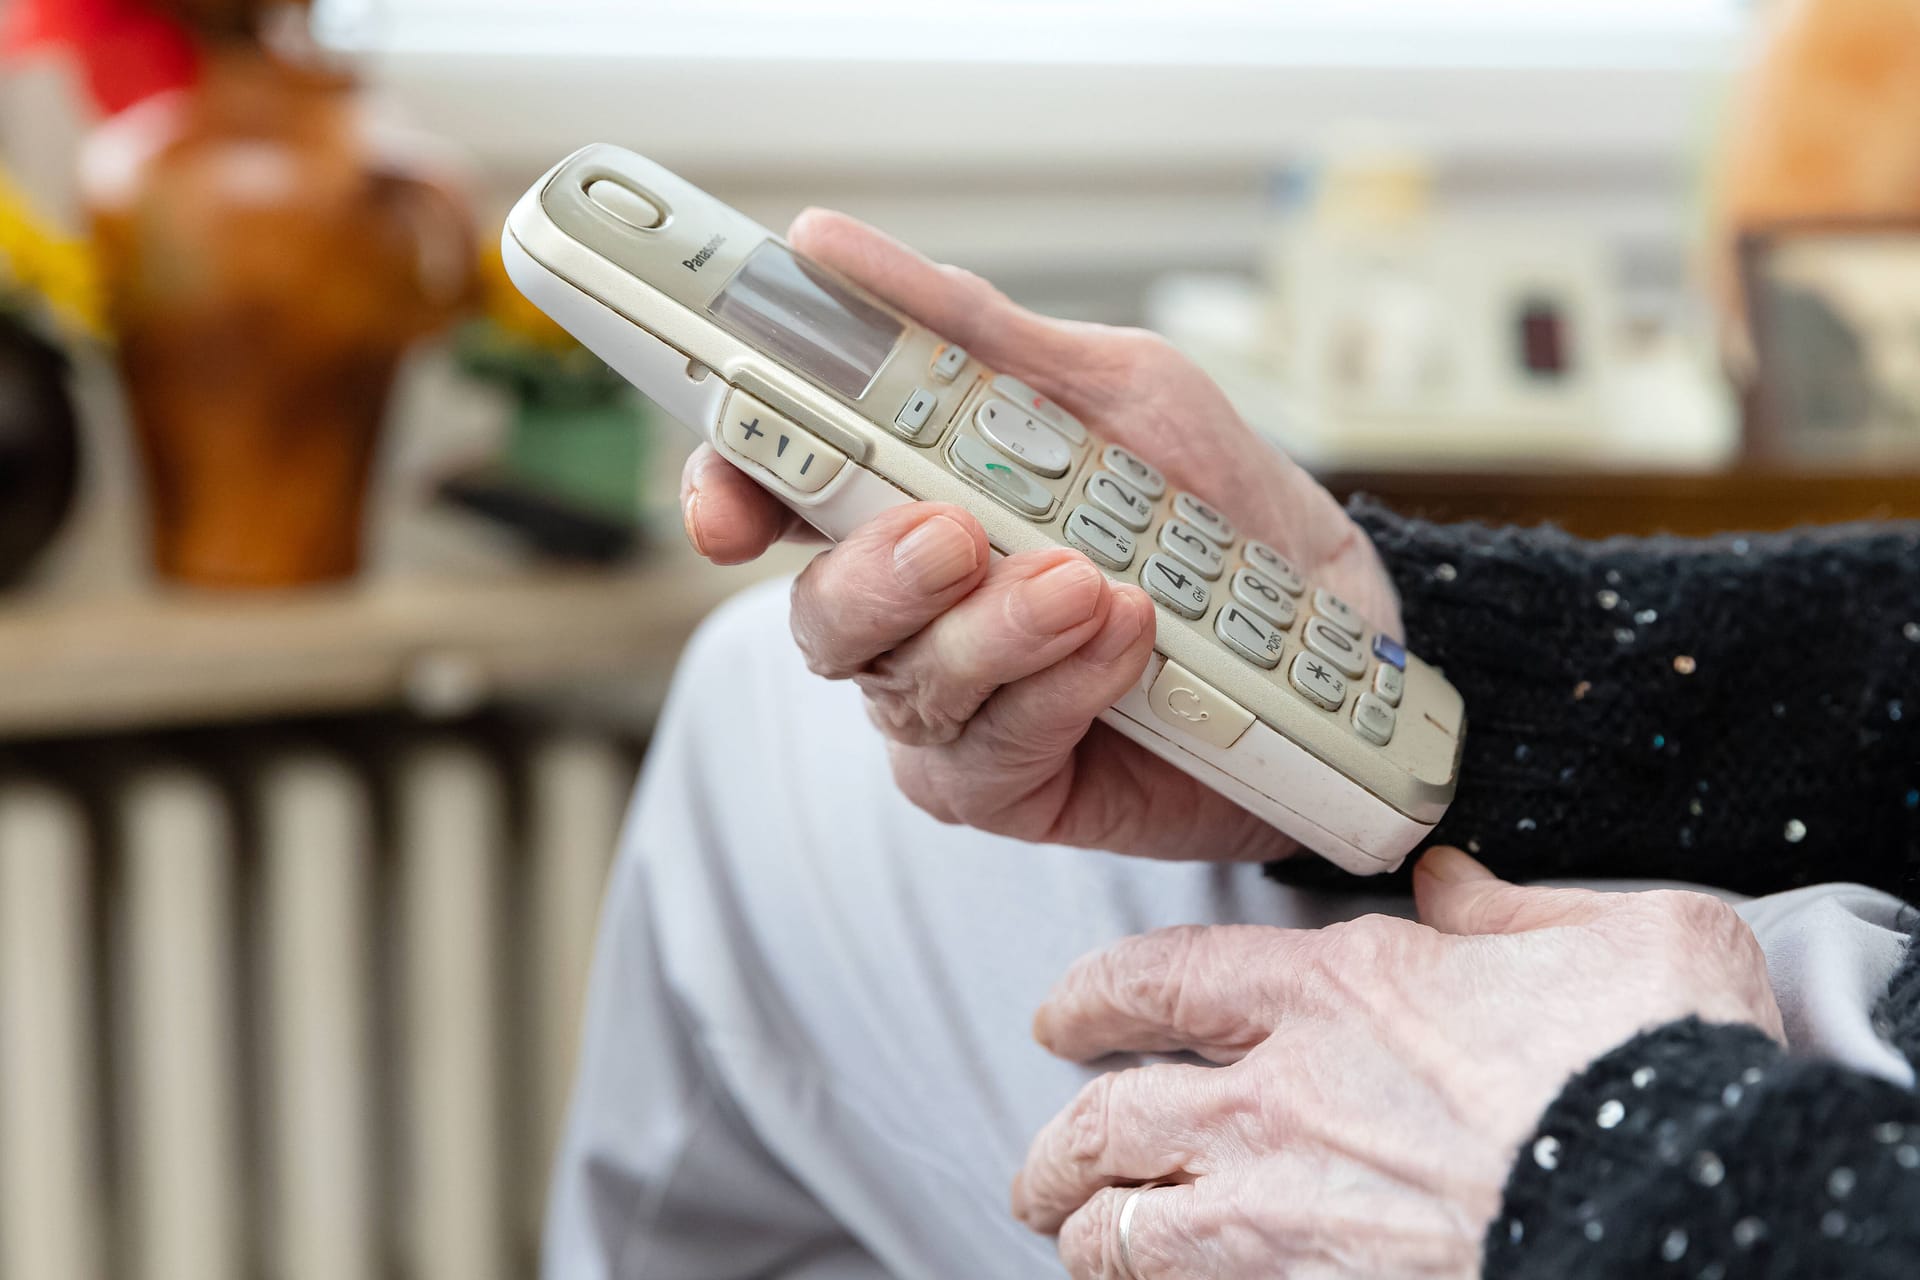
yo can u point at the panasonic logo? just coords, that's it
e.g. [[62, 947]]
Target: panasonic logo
[[699, 259]]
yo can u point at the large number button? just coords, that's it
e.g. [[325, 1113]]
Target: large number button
[[1048, 412], [948, 361], [1010, 484], [1339, 612], [1141, 475], [1313, 677], [1204, 518], [1373, 719], [1248, 635], [1335, 645], [1260, 594], [1390, 683], [1175, 586], [915, 413], [1195, 707], [1276, 566], [1100, 536], [796, 456], [1019, 434], [1112, 494], [1201, 555]]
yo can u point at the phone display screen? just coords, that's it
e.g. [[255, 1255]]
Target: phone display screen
[[794, 310]]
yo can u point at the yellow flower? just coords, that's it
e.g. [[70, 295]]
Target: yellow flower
[[508, 308], [59, 269]]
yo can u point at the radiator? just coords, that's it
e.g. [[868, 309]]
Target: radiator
[[293, 1007]]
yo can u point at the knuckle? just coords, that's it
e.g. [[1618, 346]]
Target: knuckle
[[1089, 1122], [908, 708], [1365, 940]]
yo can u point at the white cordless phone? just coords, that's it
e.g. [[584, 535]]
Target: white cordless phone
[[1273, 692]]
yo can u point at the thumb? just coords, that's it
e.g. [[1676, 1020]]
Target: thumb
[[1455, 894]]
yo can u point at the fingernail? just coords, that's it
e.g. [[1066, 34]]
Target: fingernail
[[690, 520], [1043, 1029], [1124, 624], [937, 554], [1062, 597], [1449, 866]]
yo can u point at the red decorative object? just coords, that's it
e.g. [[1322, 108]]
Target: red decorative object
[[128, 51]]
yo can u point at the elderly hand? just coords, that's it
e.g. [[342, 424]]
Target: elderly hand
[[986, 677], [1383, 1073]]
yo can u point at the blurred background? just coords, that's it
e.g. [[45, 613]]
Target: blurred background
[[338, 591]]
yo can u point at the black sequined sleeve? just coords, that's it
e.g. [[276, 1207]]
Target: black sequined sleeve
[[1743, 712], [1706, 1151]]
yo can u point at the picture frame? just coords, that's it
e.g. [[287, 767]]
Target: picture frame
[[1833, 311]]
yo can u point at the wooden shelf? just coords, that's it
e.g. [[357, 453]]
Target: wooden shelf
[[439, 646], [1600, 503]]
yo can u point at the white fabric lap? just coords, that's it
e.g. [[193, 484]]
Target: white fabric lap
[[808, 1050]]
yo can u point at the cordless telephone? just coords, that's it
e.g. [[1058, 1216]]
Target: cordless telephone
[[1266, 687]]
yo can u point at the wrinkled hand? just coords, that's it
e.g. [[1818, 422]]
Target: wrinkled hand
[[1383, 1073], [987, 677]]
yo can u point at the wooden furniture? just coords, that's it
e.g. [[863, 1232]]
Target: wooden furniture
[[1599, 503], [436, 646]]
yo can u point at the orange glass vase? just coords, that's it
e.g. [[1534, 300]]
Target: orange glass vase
[[267, 269]]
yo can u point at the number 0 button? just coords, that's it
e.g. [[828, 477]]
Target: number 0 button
[[1175, 586], [1335, 645]]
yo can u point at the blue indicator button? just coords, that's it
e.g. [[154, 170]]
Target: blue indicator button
[[1391, 652]]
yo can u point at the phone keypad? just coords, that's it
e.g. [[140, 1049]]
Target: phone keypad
[[1390, 683], [1022, 436], [1373, 719], [1174, 585], [1277, 567], [914, 415], [984, 466], [948, 361], [1315, 678], [1101, 537], [1025, 451], [1141, 475], [1262, 595], [1204, 518], [1338, 612], [1249, 635], [1335, 645], [1121, 500], [1197, 553], [1011, 388]]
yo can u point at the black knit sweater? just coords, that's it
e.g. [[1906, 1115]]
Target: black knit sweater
[[1743, 712]]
